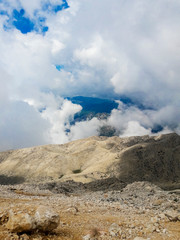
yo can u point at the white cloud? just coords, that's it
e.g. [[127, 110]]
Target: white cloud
[[31, 6], [122, 47], [85, 129], [21, 126], [135, 129]]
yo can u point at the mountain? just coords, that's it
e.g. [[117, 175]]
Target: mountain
[[92, 107], [154, 159]]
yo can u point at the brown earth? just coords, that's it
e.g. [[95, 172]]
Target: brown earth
[[141, 209]]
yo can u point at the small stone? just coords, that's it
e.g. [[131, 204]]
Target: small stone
[[158, 202], [173, 216], [87, 237], [4, 216], [123, 236], [114, 230], [157, 230], [162, 216], [154, 220], [24, 237], [72, 210], [14, 237], [150, 228]]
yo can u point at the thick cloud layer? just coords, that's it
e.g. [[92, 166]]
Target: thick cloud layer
[[88, 48]]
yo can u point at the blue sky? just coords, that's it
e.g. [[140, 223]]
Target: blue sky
[[56, 48], [19, 19]]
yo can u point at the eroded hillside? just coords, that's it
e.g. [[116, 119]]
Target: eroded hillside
[[155, 159]]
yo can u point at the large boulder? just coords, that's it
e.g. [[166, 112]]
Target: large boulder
[[32, 218], [46, 219], [20, 222]]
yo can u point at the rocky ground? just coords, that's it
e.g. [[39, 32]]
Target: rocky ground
[[136, 211]]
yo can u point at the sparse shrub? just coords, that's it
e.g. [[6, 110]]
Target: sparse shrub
[[62, 175], [94, 232], [77, 171]]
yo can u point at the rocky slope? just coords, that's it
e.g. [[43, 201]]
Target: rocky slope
[[155, 159], [140, 211], [92, 189]]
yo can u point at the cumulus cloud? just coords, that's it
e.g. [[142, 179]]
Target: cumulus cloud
[[134, 128], [85, 129], [21, 126], [105, 50]]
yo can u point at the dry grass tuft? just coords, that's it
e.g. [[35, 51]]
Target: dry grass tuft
[[94, 232]]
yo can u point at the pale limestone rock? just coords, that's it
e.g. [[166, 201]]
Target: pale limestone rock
[[24, 237], [41, 219], [162, 216], [154, 219], [4, 217], [20, 222], [46, 219], [150, 228], [114, 230], [173, 216], [87, 237]]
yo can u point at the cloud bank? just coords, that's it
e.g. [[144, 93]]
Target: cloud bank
[[52, 49]]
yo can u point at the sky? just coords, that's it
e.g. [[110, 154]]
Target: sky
[[51, 49]]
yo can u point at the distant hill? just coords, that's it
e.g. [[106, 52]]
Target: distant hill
[[95, 105], [92, 107]]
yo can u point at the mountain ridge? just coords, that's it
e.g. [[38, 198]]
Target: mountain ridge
[[148, 158]]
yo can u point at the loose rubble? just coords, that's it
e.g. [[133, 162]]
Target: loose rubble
[[140, 210]]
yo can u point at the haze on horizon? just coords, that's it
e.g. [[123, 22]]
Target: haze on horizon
[[51, 49]]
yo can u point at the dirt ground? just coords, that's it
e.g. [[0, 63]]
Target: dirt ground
[[91, 213]]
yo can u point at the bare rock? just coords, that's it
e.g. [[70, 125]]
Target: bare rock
[[24, 237], [46, 219], [154, 220], [114, 230], [4, 216], [173, 216], [89, 237], [150, 228], [34, 218], [20, 222]]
